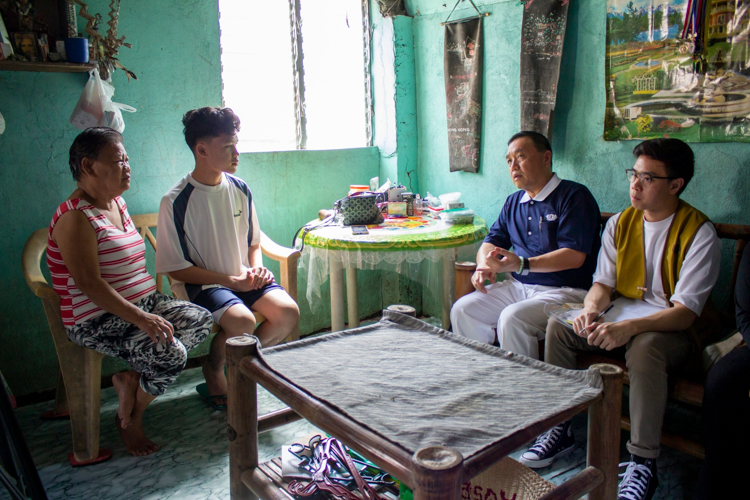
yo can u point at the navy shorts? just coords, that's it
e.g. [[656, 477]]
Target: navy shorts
[[218, 299]]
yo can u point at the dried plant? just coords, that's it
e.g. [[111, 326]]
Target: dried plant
[[107, 47], [392, 8]]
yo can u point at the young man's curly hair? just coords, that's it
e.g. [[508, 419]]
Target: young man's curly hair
[[209, 122]]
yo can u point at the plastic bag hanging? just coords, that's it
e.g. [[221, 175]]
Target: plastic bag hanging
[[95, 107]]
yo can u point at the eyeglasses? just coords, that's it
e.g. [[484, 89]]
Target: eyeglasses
[[644, 177]]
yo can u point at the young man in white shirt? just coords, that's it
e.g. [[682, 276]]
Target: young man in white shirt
[[209, 244], [660, 255]]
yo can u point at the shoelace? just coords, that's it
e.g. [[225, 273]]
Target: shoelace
[[546, 441], [634, 481], [329, 454]]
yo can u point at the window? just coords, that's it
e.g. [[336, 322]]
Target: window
[[319, 100]]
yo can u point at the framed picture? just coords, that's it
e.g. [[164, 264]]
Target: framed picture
[[6, 50], [4, 40], [27, 45], [43, 43]]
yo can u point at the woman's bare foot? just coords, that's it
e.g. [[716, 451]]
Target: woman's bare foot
[[126, 385], [216, 382], [134, 438]]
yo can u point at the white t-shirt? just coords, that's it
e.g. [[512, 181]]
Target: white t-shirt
[[698, 274], [211, 227]]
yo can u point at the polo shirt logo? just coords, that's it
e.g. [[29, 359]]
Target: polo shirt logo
[[551, 217]]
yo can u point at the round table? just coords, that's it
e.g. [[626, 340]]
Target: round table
[[422, 248]]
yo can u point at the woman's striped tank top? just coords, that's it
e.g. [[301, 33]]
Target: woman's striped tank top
[[122, 262]]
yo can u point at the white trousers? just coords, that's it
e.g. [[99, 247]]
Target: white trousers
[[515, 309]]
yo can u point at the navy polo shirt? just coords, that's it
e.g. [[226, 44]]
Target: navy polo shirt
[[563, 215]]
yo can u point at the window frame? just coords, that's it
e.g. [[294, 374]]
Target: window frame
[[298, 74]]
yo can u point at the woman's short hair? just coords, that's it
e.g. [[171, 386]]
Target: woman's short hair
[[209, 122], [89, 144], [677, 157]]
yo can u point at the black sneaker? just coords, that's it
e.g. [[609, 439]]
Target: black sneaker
[[639, 480], [551, 445]]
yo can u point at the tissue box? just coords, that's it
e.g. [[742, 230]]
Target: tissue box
[[458, 216]]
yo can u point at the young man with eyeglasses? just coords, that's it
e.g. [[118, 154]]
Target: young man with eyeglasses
[[661, 258]]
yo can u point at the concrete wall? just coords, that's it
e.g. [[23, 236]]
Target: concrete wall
[[722, 181], [176, 56], [179, 72]]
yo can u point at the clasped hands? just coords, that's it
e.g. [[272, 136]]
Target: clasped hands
[[606, 336], [498, 260], [252, 279], [161, 331]]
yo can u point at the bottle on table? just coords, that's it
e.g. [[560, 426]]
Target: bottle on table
[[418, 206]]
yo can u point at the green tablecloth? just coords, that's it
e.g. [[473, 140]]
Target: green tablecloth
[[387, 238], [420, 252]]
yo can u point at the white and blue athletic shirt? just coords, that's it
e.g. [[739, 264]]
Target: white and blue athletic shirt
[[211, 227]]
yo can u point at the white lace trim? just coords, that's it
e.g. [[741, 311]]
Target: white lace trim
[[433, 269]]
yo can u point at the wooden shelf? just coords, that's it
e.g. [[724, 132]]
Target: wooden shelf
[[53, 67]]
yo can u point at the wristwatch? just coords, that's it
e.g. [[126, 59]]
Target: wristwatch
[[526, 267]]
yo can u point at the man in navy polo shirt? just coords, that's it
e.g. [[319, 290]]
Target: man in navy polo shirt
[[552, 226]]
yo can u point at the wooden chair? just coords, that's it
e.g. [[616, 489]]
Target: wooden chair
[[681, 389], [79, 377]]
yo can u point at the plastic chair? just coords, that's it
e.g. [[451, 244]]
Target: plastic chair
[[79, 375]]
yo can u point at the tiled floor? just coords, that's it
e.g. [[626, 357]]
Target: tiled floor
[[192, 462]]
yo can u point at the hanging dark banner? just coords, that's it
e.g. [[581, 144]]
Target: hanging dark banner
[[464, 48], [542, 37]]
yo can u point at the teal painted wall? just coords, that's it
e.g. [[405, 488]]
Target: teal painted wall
[[289, 188], [176, 56], [394, 98], [406, 104], [720, 187]]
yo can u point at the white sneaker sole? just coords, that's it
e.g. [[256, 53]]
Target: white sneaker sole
[[539, 464]]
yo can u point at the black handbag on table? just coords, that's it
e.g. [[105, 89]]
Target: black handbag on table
[[360, 209]]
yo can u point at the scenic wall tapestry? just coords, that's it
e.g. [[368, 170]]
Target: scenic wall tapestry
[[678, 68]]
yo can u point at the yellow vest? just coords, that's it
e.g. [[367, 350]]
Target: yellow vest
[[631, 268], [631, 256]]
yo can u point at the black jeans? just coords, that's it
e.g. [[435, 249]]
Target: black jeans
[[726, 426]]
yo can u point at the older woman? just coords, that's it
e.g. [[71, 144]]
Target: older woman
[[109, 301]]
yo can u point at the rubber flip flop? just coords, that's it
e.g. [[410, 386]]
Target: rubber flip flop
[[104, 455], [202, 389], [53, 415]]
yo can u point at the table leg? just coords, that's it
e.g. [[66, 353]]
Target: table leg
[[449, 273], [437, 473], [337, 296], [242, 416], [351, 297], [604, 431]]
